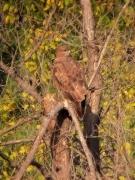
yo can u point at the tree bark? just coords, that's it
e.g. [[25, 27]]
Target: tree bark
[[91, 118], [61, 152]]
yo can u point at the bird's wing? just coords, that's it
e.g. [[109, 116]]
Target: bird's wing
[[68, 77], [60, 76]]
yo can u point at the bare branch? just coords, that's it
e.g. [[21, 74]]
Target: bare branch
[[6, 158], [19, 141], [40, 167], [23, 84], [40, 135], [13, 164], [107, 42], [83, 142], [19, 123], [40, 40]]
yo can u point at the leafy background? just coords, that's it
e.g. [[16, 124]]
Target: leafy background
[[22, 24]]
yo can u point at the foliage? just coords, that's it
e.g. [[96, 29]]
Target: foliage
[[22, 25]]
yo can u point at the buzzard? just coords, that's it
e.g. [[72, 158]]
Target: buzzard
[[68, 77]]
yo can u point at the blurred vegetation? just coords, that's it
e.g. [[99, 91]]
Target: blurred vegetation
[[24, 23]]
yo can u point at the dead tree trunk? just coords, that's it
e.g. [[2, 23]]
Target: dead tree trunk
[[91, 118], [58, 129], [60, 148]]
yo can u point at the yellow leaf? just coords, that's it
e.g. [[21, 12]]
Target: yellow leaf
[[5, 174], [23, 150], [7, 20], [122, 178], [30, 168], [12, 123], [13, 155], [24, 94], [6, 7], [38, 126], [11, 9], [25, 106], [127, 147], [31, 66]]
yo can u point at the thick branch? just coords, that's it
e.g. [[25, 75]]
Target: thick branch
[[23, 84], [88, 20], [92, 50]]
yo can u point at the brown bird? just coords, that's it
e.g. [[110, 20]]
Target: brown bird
[[68, 77]]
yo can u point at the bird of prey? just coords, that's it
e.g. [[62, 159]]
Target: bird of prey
[[68, 77]]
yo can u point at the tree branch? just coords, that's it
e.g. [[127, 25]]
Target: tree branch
[[107, 42], [23, 84], [19, 141], [88, 20], [19, 123], [40, 167], [13, 164], [40, 135], [6, 158], [40, 40], [82, 139]]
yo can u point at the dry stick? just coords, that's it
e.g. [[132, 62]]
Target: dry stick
[[40, 167], [40, 135], [19, 123], [13, 164], [82, 139], [23, 84], [106, 43], [19, 141]]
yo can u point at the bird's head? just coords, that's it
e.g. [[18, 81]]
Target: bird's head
[[62, 51]]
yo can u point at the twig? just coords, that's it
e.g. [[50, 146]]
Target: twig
[[6, 158], [13, 164], [19, 141], [106, 43], [40, 135], [19, 123], [40, 167], [23, 84], [39, 41]]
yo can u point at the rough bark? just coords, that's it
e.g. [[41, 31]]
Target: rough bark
[[58, 129], [90, 125], [61, 151]]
